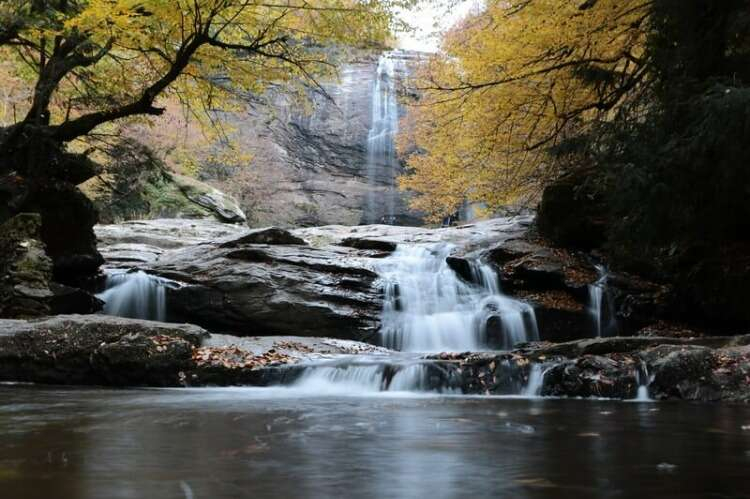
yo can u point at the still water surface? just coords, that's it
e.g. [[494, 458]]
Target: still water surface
[[59, 443]]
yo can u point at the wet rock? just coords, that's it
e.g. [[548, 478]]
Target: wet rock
[[270, 235], [268, 281], [462, 267], [369, 244], [258, 289], [684, 372], [147, 240], [100, 350], [700, 369], [592, 376], [512, 249], [95, 350]]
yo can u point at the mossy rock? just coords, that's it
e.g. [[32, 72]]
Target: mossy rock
[[138, 186]]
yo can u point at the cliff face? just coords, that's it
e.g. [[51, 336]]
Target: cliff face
[[333, 165]]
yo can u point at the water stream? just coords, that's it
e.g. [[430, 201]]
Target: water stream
[[429, 308], [600, 304], [136, 295]]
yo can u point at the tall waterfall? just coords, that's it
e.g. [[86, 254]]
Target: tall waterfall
[[382, 163], [135, 294], [428, 308]]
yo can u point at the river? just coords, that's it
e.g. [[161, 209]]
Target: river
[[220, 443]]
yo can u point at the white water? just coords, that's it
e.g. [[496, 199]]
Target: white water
[[355, 377], [382, 163], [644, 380], [136, 295], [536, 382], [428, 308], [597, 295]]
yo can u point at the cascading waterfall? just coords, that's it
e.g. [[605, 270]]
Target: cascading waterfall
[[536, 381], [644, 380], [136, 295], [382, 163], [360, 376], [428, 308]]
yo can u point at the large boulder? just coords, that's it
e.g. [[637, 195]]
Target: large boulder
[[96, 350], [263, 289]]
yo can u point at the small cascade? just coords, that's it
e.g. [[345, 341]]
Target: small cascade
[[362, 376], [136, 295], [382, 163], [600, 306], [429, 308], [536, 381], [644, 380]]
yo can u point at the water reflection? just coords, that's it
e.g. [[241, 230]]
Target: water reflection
[[227, 443]]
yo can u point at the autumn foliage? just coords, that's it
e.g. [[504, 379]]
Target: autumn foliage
[[514, 79]]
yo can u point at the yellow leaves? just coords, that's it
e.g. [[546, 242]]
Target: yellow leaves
[[507, 85], [147, 39]]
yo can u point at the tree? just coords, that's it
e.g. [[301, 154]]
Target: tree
[[95, 62], [513, 81]]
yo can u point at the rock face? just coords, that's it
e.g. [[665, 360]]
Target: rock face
[[27, 288], [312, 168]]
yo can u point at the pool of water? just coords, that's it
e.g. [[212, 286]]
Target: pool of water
[[60, 443]]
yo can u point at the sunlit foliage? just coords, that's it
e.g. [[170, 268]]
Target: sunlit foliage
[[512, 81], [90, 62]]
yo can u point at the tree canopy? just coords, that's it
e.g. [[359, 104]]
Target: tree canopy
[[511, 82], [95, 61]]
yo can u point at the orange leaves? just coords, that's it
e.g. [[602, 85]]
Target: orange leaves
[[233, 357]]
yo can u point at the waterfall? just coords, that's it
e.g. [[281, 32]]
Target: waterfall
[[428, 308], [136, 295], [382, 163], [644, 380], [362, 376], [600, 304], [536, 381]]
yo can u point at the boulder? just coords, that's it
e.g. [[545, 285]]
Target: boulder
[[259, 289], [221, 205], [269, 235], [371, 244], [96, 350]]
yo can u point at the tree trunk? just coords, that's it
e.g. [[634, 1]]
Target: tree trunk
[[39, 176]]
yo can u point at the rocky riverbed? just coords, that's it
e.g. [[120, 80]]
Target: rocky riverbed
[[324, 286], [97, 350]]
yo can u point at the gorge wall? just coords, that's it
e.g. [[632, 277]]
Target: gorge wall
[[333, 164]]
